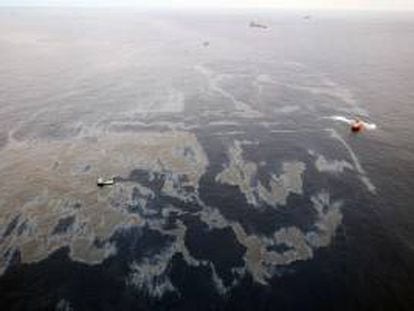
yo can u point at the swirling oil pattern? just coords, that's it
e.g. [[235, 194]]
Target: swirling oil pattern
[[238, 184]]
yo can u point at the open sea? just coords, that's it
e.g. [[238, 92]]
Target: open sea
[[238, 184]]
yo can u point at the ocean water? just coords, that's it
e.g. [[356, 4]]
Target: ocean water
[[238, 184]]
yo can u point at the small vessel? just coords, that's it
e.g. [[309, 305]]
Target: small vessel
[[104, 182], [257, 25], [357, 126]]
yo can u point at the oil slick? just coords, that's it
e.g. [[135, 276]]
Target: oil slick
[[41, 207], [167, 166], [214, 85], [80, 219], [262, 262], [244, 175], [151, 276], [158, 164], [323, 164]]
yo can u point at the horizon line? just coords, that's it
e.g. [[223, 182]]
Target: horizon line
[[208, 7]]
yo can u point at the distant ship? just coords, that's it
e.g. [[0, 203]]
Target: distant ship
[[257, 25]]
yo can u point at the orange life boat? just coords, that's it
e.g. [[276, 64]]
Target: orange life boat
[[357, 126]]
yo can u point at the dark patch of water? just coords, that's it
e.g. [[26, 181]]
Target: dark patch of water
[[64, 225]]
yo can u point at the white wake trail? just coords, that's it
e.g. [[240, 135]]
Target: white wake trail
[[367, 125]]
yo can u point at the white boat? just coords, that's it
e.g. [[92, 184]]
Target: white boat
[[102, 182]]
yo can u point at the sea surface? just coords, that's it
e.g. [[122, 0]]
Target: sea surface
[[238, 184]]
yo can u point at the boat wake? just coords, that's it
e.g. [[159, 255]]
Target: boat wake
[[367, 125]]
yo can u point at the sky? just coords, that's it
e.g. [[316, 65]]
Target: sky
[[295, 4]]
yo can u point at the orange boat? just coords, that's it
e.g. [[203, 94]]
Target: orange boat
[[357, 126]]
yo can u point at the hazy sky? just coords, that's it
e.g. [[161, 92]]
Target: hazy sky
[[305, 4]]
